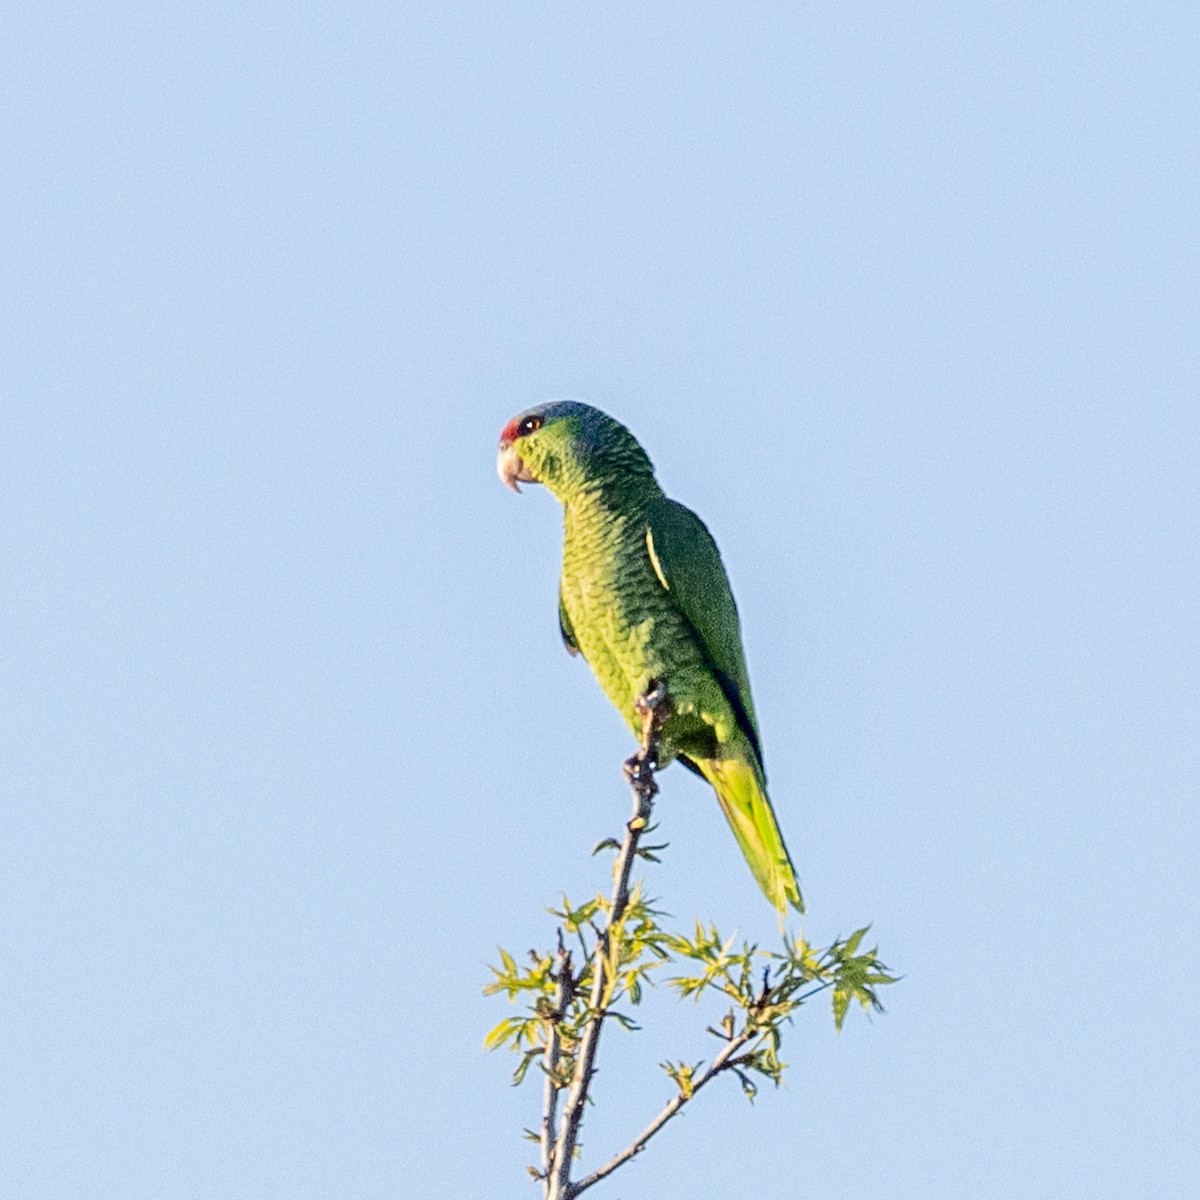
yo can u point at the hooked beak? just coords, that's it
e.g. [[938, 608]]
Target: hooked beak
[[510, 468]]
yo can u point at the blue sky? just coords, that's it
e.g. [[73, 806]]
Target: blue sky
[[903, 298]]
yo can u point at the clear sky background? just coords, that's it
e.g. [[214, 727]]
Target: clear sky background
[[904, 298]]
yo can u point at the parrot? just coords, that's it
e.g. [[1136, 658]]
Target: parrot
[[645, 600]]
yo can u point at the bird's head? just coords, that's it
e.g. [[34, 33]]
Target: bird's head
[[569, 446]]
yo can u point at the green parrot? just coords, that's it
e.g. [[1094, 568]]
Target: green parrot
[[645, 598]]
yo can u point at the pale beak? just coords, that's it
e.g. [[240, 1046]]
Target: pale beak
[[510, 468]]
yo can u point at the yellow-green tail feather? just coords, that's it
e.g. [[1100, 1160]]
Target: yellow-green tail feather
[[743, 796]]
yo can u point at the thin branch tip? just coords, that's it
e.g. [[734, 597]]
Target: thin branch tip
[[558, 1147]]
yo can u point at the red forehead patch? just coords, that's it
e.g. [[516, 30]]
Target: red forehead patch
[[509, 432]]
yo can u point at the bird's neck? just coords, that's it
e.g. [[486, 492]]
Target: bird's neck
[[606, 499]]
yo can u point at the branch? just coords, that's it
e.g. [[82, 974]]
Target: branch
[[639, 770], [562, 995], [724, 1061]]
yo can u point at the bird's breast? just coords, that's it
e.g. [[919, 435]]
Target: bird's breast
[[625, 623]]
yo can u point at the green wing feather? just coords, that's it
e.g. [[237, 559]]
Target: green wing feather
[[688, 564], [565, 627]]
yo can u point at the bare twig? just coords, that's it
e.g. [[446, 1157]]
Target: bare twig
[[726, 1060], [639, 770], [562, 996]]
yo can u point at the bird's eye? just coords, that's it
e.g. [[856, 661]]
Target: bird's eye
[[528, 426]]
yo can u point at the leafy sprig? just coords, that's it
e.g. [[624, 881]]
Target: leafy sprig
[[611, 949]]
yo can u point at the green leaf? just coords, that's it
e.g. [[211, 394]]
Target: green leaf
[[855, 938], [523, 1066], [504, 1032], [682, 1075], [841, 1002]]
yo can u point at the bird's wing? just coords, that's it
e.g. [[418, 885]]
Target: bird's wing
[[688, 565], [564, 627]]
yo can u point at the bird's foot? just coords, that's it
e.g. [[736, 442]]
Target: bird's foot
[[639, 771], [654, 707]]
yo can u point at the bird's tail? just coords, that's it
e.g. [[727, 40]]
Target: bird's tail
[[742, 792]]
